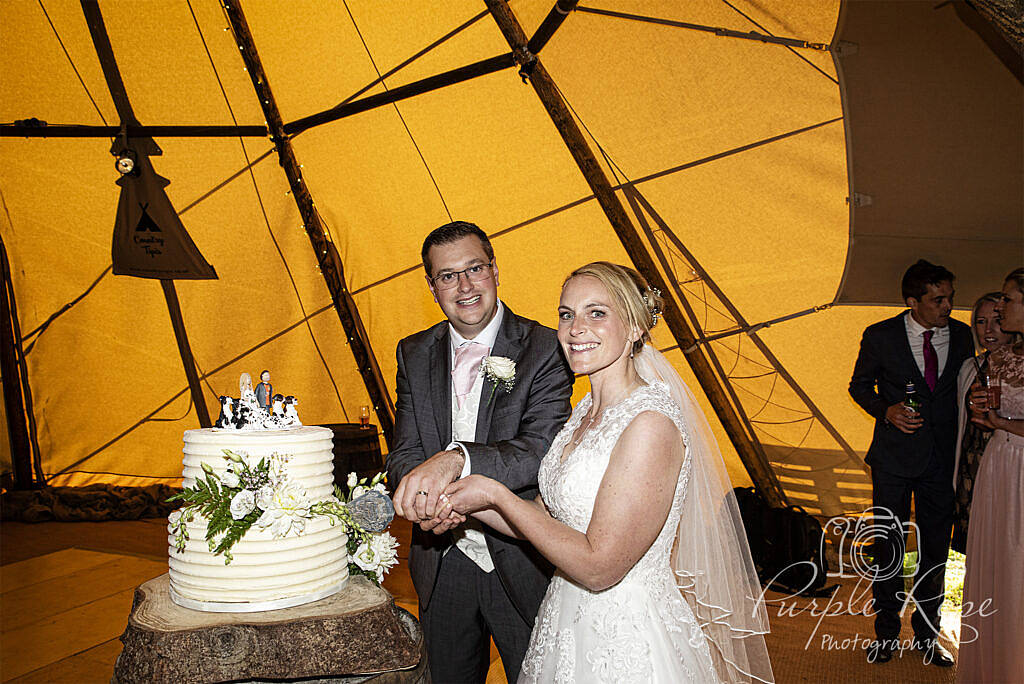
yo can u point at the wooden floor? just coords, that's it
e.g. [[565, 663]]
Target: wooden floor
[[66, 591]]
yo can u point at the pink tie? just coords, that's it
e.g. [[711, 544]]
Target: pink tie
[[931, 361], [467, 365]]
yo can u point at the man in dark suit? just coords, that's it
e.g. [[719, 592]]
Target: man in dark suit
[[912, 453], [452, 420]]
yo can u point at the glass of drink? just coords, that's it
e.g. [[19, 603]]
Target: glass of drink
[[995, 391], [364, 416]]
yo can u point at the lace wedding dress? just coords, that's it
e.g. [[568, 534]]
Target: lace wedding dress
[[641, 629]]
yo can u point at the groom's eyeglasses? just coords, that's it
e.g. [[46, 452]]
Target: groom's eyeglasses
[[449, 279]]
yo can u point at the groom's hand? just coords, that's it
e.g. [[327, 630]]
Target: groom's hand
[[417, 494]]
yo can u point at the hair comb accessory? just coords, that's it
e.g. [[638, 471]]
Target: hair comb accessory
[[651, 295]]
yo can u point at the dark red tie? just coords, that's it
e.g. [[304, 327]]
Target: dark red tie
[[931, 361]]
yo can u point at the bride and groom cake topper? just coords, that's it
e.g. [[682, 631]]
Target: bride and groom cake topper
[[258, 409]]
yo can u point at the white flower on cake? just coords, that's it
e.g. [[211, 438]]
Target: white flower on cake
[[286, 511], [229, 479], [352, 480], [377, 556], [365, 558], [174, 518], [242, 504]]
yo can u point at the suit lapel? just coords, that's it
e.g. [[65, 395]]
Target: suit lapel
[[440, 359], [507, 344]]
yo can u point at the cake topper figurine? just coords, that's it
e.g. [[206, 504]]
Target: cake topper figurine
[[226, 418], [259, 409], [265, 392]]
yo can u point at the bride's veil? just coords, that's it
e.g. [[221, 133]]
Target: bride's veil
[[711, 557]]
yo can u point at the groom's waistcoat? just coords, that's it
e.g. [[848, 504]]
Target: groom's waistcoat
[[513, 432]]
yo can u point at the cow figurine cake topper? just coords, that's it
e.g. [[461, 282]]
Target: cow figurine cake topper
[[257, 409]]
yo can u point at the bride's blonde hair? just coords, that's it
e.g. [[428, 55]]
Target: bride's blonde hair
[[638, 305]]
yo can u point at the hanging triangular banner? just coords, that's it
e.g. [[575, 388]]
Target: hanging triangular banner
[[150, 240]]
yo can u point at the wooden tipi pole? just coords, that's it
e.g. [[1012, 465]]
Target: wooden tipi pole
[[753, 457], [326, 254], [10, 373]]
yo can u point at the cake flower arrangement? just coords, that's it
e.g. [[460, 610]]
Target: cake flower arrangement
[[375, 555], [263, 495]]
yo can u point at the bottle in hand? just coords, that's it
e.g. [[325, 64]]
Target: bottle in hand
[[911, 400]]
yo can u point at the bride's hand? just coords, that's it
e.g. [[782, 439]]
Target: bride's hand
[[472, 493]]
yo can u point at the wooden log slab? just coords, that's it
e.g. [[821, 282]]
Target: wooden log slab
[[355, 635]]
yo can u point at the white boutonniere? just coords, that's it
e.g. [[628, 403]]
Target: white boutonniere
[[501, 371]]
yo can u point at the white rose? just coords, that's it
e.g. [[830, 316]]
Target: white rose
[[174, 517], [380, 488], [365, 558], [359, 491], [242, 504], [229, 479], [501, 367], [352, 481], [264, 496]]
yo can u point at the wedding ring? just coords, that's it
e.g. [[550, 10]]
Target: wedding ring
[[421, 492]]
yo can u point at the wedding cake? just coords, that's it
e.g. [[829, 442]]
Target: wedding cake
[[287, 556]]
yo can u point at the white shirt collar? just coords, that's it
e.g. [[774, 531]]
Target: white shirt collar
[[486, 337], [916, 329]]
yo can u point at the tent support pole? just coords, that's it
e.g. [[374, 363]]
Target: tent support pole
[[14, 404], [326, 253], [185, 351], [530, 66], [636, 196]]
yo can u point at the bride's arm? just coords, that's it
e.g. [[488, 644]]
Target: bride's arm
[[631, 507], [494, 519]]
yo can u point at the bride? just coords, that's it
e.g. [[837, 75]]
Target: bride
[[654, 578]]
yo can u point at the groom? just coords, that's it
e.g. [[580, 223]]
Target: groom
[[473, 583]]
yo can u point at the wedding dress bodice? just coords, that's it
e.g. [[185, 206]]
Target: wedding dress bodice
[[570, 486], [641, 629]]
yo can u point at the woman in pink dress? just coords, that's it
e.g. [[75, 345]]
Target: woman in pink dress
[[992, 626]]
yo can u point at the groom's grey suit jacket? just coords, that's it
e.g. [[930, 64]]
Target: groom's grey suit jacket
[[513, 432]]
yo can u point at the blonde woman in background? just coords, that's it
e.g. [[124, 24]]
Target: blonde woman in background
[[971, 438]]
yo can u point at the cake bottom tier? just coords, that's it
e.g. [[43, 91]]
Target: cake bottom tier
[[264, 574]]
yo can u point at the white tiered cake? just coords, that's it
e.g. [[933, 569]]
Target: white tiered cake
[[265, 573]]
